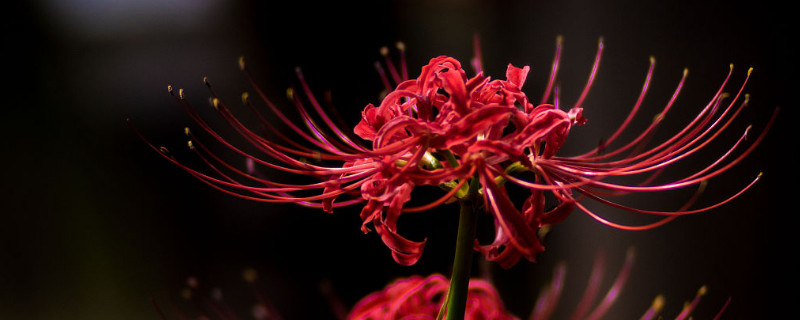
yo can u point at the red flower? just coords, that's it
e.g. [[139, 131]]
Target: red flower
[[421, 298], [448, 130]]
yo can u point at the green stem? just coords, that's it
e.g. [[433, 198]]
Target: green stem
[[462, 264]]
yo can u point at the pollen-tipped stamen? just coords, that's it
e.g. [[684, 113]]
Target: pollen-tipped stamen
[[551, 81], [592, 74]]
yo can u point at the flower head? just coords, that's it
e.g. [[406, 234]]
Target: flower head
[[468, 136], [421, 298]]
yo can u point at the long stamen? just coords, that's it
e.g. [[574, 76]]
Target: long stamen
[[590, 81], [615, 289], [390, 65], [382, 74], [673, 185], [655, 308], [401, 48], [725, 306], [477, 60], [633, 111], [592, 288], [548, 298], [312, 125], [674, 145], [553, 71], [272, 152], [650, 128], [277, 112], [324, 115], [689, 307], [246, 101], [275, 186]]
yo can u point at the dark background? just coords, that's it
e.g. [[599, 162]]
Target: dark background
[[94, 223]]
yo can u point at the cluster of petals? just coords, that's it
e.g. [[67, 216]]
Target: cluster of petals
[[447, 130], [454, 129], [421, 298]]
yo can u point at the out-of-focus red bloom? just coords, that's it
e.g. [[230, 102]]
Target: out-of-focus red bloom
[[448, 130], [589, 309], [549, 296], [421, 298]]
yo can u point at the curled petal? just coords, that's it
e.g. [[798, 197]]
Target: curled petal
[[404, 251], [509, 219], [517, 75]]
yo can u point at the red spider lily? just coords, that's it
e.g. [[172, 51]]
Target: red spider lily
[[415, 297], [457, 132], [418, 297], [421, 298]]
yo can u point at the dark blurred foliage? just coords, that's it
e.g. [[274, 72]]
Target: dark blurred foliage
[[94, 223]]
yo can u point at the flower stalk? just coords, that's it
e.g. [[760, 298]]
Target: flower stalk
[[456, 301]]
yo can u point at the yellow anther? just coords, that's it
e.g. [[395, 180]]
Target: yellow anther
[[245, 97], [290, 93], [169, 88], [658, 303], [186, 131], [384, 51], [702, 291], [186, 293], [190, 144], [215, 103], [241, 63], [658, 117], [702, 187], [250, 275]]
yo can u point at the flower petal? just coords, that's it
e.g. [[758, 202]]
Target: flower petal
[[510, 220], [517, 75]]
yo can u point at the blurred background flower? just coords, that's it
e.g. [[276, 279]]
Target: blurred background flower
[[94, 224], [418, 297], [421, 297]]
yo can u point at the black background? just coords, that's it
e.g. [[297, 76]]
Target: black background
[[94, 223]]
